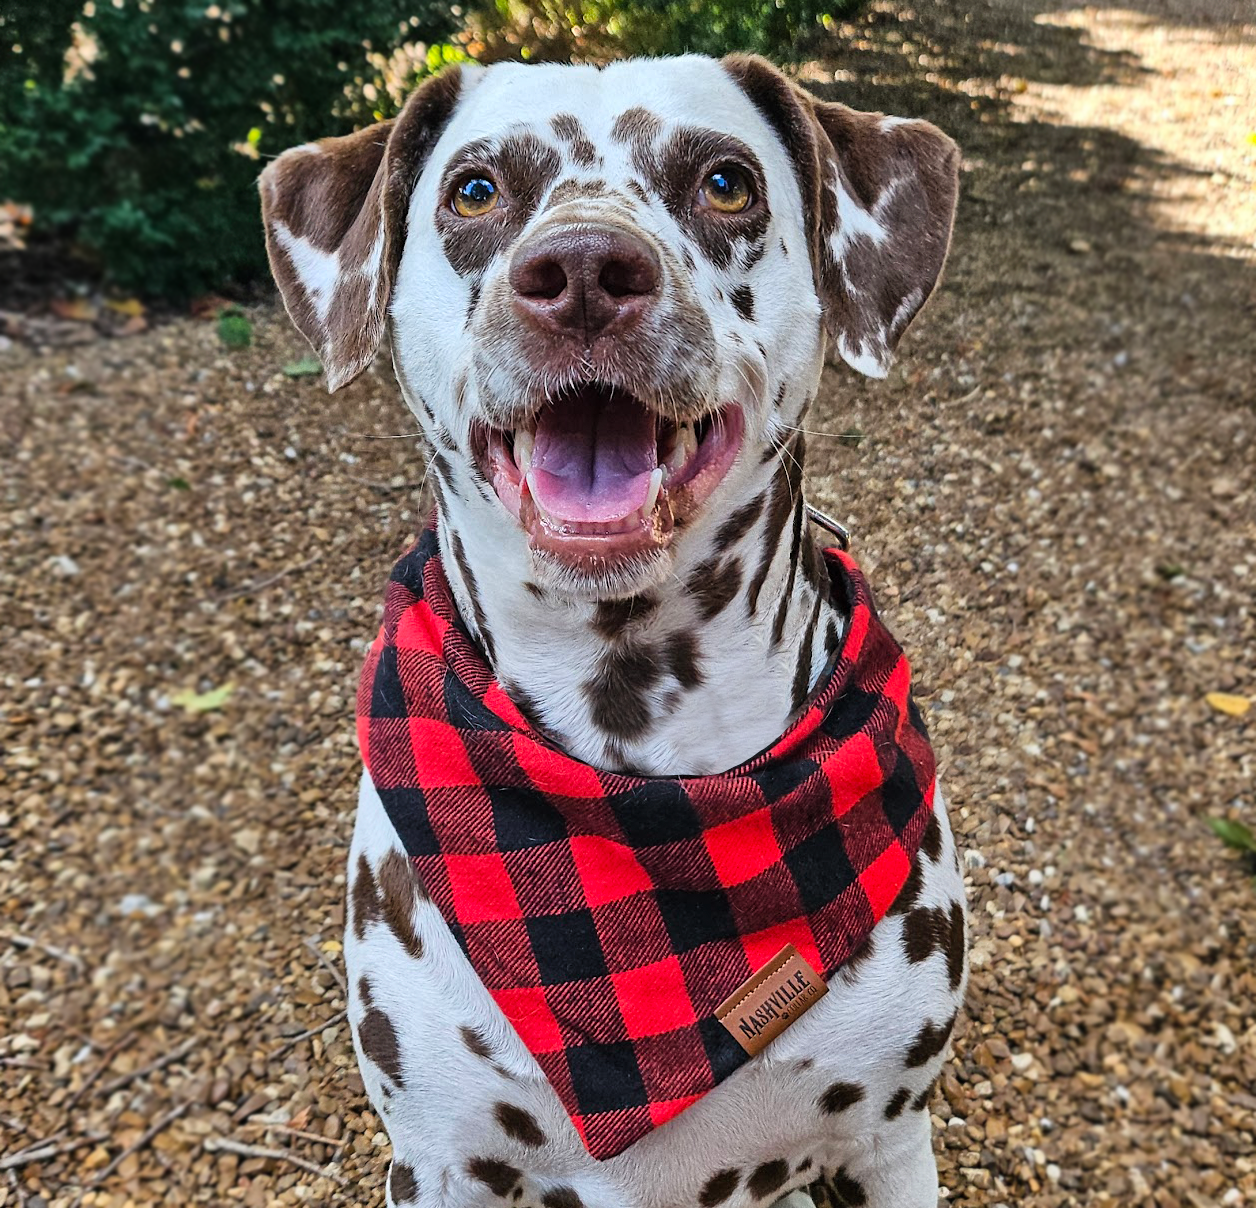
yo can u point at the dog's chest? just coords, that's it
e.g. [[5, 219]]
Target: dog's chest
[[472, 1119]]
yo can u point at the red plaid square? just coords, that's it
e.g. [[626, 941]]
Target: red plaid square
[[481, 889], [744, 847], [654, 999]]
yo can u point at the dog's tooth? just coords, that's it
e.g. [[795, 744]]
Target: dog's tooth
[[651, 496], [530, 479], [525, 442], [685, 447]]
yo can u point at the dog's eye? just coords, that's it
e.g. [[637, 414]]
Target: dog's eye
[[475, 196], [726, 189]]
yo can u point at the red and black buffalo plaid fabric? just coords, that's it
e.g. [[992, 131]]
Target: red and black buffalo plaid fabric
[[610, 915]]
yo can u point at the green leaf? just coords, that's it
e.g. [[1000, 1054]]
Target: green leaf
[[1233, 834], [234, 329], [307, 366], [179, 484], [203, 702]]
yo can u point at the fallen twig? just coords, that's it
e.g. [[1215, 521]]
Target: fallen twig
[[244, 1150], [312, 944], [279, 1126], [292, 1041], [160, 1064], [110, 1053], [27, 1156], [144, 1138], [250, 589], [383, 488], [26, 941]]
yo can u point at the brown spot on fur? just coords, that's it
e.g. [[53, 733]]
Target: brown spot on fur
[[802, 669], [911, 889], [840, 1096], [930, 1041], [924, 931], [617, 692], [400, 889], [535, 590], [782, 612], [739, 523], [897, 1102], [713, 586], [718, 1188], [832, 638], [561, 1197], [477, 609], [612, 617], [519, 1123], [847, 1192], [378, 1037], [498, 1176], [636, 125], [931, 840], [367, 908], [576, 190], [475, 1042], [743, 302], [402, 1182], [682, 661], [921, 1101], [582, 151], [767, 1178], [784, 489], [956, 946], [637, 190]]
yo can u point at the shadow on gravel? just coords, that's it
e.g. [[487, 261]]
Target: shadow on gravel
[[1044, 204]]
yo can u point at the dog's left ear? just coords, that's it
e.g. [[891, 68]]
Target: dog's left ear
[[335, 217], [879, 195]]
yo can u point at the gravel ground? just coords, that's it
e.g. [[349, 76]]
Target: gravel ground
[[1055, 493]]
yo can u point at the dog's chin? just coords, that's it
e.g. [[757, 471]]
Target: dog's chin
[[599, 483]]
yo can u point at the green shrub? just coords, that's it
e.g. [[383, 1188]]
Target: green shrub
[[137, 126], [554, 31]]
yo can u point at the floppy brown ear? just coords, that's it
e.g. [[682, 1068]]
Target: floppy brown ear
[[335, 219], [879, 194]]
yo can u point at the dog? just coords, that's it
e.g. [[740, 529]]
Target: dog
[[609, 293]]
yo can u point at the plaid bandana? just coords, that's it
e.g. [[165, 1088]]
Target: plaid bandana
[[607, 915]]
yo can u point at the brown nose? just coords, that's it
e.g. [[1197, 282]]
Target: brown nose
[[585, 280]]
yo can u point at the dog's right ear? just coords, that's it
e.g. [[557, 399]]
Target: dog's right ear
[[335, 218]]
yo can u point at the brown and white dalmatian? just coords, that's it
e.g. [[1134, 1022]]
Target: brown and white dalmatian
[[642, 266]]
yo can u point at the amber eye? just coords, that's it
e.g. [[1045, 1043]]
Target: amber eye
[[475, 196], [727, 189]]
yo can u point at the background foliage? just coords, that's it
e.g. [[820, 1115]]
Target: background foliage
[[135, 128]]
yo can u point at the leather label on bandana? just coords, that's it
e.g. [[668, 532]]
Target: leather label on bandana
[[764, 1005]]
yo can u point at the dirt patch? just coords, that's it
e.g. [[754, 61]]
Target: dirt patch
[[1055, 495]]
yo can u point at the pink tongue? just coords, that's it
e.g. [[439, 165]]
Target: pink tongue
[[594, 454]]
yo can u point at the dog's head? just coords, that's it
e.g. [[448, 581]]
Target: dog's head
[[609, 290]]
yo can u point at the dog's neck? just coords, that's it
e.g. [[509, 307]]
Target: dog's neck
[[691, 677]]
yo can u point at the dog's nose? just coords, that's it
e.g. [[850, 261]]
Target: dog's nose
[[585, 280]]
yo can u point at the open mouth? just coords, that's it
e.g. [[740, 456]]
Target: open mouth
[[595, 475]]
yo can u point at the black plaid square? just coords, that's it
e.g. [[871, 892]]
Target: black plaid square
[[566, 947], [820, 867]]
